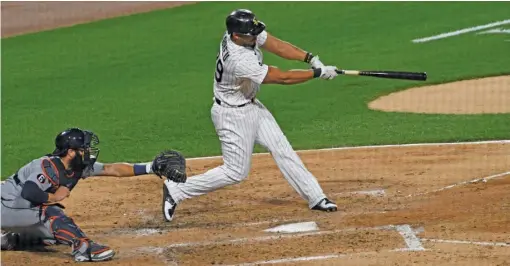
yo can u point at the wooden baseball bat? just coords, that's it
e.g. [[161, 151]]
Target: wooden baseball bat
[[386, 74]]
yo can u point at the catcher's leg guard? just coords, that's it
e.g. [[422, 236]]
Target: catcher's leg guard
[[61, 226], [65, 231]]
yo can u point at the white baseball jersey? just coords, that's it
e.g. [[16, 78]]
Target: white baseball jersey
[[239, 71]]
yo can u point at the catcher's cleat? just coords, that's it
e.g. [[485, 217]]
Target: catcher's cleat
[[87, 250], [10, 241], [325, 205], [169, 204]]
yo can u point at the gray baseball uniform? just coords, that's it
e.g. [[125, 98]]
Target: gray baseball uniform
[[21, 216], [241, 121]]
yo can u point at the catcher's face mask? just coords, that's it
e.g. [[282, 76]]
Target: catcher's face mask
[[91, 150], [87, 155]]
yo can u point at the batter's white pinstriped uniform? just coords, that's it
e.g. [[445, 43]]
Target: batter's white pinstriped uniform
[[237, 79]]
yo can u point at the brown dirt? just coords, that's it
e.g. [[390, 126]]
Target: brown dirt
[[478, 96], [111, 210]]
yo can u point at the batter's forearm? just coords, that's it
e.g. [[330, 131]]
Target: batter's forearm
[[291, 52], [276, 76], [297, 76], [284, 49]]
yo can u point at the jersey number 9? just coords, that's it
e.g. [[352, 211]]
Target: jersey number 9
[[219, 69]]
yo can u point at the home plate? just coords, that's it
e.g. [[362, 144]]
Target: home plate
[[294, 228]]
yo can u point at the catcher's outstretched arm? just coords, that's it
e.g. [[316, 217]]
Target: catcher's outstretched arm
[[124, 169]]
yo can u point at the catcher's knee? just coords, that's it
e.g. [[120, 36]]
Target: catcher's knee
[[62, 227]]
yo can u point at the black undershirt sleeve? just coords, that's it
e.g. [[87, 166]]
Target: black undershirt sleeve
[[33, 193]]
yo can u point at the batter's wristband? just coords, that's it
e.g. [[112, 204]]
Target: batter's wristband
[[317, 72], [308, 57]]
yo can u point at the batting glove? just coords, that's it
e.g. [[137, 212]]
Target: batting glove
[[316, 63], [328, 72]]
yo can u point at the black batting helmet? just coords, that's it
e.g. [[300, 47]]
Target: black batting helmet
[[243, 21]]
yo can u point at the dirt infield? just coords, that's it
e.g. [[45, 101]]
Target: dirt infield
[[477, 96], [376, 188], [398, 205]]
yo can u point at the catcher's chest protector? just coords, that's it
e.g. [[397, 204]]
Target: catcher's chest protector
[[58, 175]]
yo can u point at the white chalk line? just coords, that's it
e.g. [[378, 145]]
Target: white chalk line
[[461, 31], [372, 192], [412, 240], [495, 244], [375, 147], [495, 31], [476, 180]]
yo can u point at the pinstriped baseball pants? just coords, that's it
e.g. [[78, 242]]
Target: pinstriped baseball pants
[[238, 129]]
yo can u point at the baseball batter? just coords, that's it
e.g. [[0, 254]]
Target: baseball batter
[[31, 212], [241, 120]]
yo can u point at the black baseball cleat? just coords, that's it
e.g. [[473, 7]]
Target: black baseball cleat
[[87, 250], [325, 205], [169, 205]]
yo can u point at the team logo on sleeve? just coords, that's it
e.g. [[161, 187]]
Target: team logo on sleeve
[[41, 178]]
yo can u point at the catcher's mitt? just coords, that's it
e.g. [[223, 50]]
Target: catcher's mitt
[[170, 164]]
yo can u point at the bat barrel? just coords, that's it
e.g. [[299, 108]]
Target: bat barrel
[[386, 74]]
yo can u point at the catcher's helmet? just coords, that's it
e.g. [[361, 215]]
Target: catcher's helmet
[[243, 21], [75, 138]]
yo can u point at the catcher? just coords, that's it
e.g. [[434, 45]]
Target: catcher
[[31, 213]]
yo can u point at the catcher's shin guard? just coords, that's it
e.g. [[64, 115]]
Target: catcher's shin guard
[[67, 232], [63, 227]]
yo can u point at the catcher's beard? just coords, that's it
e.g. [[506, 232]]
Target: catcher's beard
[[77, 163]]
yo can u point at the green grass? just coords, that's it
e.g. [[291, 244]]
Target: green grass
[[143, 83]]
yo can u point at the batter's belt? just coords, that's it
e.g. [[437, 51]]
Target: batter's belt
[[219, 102]]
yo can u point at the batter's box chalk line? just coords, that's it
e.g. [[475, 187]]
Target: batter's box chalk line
[[493, 244], [379, 192]]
